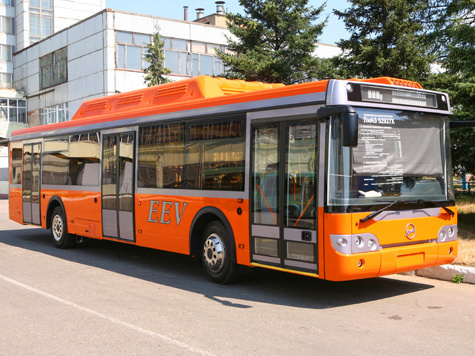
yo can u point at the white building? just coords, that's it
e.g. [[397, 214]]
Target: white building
[[101, 54], [22, 23]]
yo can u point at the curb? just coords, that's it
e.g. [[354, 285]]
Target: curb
[[447, 273]]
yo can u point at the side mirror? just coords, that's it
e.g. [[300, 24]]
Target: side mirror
[[349, 121], [350, 129]]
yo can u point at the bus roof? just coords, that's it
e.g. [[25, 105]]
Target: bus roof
[[194, 93]]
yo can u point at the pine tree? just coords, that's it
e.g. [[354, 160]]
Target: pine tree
[[273, 41], [387, 39], [156, 71], [453, 24]]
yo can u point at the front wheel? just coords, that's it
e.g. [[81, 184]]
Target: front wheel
[[59, 230], [217, 254]]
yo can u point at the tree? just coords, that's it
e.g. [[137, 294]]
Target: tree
[[154, 56], [273, 41], [387, 39], [453, 32]]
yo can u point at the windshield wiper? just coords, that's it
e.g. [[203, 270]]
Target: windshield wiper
[[437, 204], [419, 201], [376, 213]]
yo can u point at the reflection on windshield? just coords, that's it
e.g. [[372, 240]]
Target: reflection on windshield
[[400, 154]]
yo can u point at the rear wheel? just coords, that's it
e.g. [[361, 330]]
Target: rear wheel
[[59, 230], [217, 254]]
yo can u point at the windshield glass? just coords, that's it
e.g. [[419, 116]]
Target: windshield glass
[[400, 155]]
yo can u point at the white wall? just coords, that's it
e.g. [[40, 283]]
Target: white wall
[[86, 66], [68, 12], [65, 13]]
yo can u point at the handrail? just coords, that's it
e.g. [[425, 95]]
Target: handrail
[[263, 196]]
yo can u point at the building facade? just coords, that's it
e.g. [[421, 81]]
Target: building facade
[[65, 52], [22, 23], [103, 55]]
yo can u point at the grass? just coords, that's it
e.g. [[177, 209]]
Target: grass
[[466, 229]]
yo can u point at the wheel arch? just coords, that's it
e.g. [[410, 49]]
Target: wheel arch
[[200, 221], [53, 203]]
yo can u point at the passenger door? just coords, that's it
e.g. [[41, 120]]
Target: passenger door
[[118, 172], [283, 194], [31, 183]]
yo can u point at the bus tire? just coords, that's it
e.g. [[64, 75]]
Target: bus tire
[[217, 254], [59, 230]]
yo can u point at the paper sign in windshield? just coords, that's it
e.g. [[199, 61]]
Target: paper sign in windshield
[[392, 145]]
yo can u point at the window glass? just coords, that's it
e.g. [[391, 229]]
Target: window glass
[[47, 4], [206, 65], [199, 47], [16, 163], [161, 156], [266, 175], [179, 44], [6, 24], [183, 63], [215, 156], [53, 114], [120, 56], [196, 65], [400, 156], [56, 162], [142, 39], [53, 68], [13, 113], [46, 26], [71, 160], [41, 19], [124, 37], [171, 61], [134, 57]]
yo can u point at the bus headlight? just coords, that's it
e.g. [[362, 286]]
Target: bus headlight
[[447, 233], [359, 243], [442, 236]]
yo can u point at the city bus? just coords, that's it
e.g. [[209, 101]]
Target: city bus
[[333, 179]]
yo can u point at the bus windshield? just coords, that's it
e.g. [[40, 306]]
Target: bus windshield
[[401, 155]]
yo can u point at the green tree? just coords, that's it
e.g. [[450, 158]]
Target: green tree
[[273, 41], [453, 32], [155, 73], [387, 39]]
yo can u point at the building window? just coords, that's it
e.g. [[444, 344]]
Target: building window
[[7, 2], [199, 59], [5, 53], [6, 25], [6, 80], [41, 19], [13, 110], [54, 114], [182, 57], [131, 49], [54, 68]]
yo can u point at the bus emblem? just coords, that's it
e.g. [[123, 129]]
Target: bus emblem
[[410, 231]]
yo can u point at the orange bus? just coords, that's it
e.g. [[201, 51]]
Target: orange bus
[[335, 179]]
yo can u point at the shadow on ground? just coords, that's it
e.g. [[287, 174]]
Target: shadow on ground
[[179, 271]]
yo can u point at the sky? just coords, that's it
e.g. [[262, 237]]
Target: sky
[[173, 9]]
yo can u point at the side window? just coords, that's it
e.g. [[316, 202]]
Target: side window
[[215, 156], [161, 156], [204, 156], [16, 156], [72, 160]]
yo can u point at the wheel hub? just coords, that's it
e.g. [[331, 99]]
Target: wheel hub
[[57, 228], [214, 253]]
